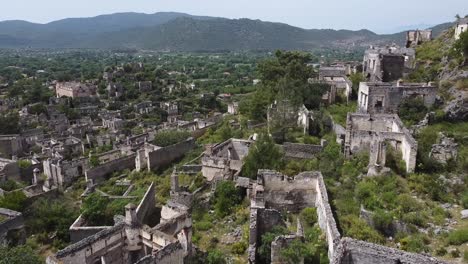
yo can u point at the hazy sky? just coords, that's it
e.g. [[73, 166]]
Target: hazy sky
[[377, 15]]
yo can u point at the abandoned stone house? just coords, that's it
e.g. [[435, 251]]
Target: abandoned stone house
[[145, 86], [374, 134], [461, 26], [336, 77], [415, 38], [9, 169], [113, 123], [11, 226], [11, 145], [62, 173], [233, 108], [379, 97], [225, 160], [172, 110], [144, 107], [274, 193], [133, 239], [75, 89], [114, 90], [387, 64]]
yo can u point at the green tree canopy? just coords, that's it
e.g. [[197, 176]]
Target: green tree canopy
[[264, 154]]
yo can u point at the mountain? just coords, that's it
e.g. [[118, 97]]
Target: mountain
[[170, 31]]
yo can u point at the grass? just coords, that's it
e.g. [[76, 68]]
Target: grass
[[339, 112]]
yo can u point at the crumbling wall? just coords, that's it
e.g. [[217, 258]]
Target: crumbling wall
[[97, 174], [107, 244], [14, 221], [287, 193], [165, 156], [10, 145], [146, 206], [79, 232], [366, 132], [300, 151], [352, 251]]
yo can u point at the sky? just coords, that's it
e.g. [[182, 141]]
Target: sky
[[380, 16]]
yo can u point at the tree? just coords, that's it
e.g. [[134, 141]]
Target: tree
[[264, 154], [18, 255], [412, 110], [14, 201], [226, 197], [94, 210], [9, 123], [461, 45]]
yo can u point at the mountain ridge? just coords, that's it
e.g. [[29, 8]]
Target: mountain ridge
[[172, 31]]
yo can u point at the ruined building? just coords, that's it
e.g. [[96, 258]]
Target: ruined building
[[274, 192], [417, 37], [336, 77], [132, 241], [378, 97], [225, 160], [462, 26], [374, 134], [75, 89], [387, 64]]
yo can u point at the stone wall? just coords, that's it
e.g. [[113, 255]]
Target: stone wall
[[10, 145], [146, 206], [352, 251], [64, 172], [300, 151], [109, 243], [98, 174], [79, 232], [371, 133], [288, 193], [14, 221], [163, 157]]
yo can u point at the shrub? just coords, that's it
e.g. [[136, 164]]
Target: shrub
[[412, 110], [23, 164], [215, 257], [441, 251], [455, 253], [239, 248], [226, 197], [170, 137], [382, 221], [203, 226], [14, 201], [264, 154], [465, 255], [416, 243], [309, 216], [464, 200], [458, 237], [20, 254], [357, 228]]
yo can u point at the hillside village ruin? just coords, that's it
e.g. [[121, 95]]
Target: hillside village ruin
[[147, 234]]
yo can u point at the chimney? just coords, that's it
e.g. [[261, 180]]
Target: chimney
[[36, 172], [130, 215], [174, 181]]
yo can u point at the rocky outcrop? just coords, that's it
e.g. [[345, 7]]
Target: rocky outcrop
[[446, 150]]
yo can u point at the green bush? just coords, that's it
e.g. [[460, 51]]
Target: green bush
[[441, 251], [412, 110], [264, 154], [458, 237], [464, 200], [416, 243], [14, 201], [465, 255], [309, 216], [239, 248], [357, 228], [215, 257], [170, 137], [226, 196], [203, 226], [18, 255], [382, 221], [23, 164]]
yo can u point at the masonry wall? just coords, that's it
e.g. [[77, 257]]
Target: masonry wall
[[98, 174], [10, 145], [15, 221], [165, 156], [300, 151], [146, 205], [285, 193]]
